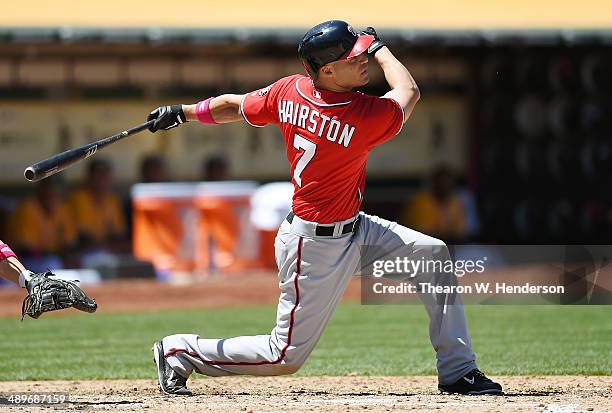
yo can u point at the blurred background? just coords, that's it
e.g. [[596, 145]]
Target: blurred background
[[510, 143]]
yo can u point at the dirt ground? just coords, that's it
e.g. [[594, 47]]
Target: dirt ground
[[561, 394]]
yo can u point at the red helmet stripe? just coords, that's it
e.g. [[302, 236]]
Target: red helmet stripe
[[361, 45]]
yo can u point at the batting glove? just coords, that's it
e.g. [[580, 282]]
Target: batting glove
[[377, 44], [166, 117]]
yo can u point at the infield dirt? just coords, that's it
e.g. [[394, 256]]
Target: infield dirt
[[558, 394]]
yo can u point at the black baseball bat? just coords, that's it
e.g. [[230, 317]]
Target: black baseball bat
[[61, 161]]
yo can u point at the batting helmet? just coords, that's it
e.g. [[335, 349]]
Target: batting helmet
[[330, 41]]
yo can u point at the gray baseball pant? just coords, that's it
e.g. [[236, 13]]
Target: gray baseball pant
[[313, 274]]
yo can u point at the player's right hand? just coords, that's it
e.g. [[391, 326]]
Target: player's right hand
[[166, 117], [377, 44]]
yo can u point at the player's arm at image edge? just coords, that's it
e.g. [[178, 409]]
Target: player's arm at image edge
[[404, 89], [223, 109], [10, 266]]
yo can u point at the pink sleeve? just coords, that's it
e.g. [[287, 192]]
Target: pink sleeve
[[6, 252]]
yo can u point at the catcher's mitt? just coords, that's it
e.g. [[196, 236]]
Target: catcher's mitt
[[49, 294]]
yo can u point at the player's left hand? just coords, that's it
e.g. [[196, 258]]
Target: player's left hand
[[377, 44], [49, 294], [166, 117]]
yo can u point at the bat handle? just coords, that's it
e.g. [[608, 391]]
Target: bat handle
[[140, 127]]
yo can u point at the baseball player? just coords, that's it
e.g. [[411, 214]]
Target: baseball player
[[329, 130], [44, 292]]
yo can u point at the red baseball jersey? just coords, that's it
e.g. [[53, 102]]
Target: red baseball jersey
[[328, 136]]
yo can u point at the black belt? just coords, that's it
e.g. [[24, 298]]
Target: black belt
[[328, 230]]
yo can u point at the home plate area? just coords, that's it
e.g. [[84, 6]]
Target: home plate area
[[550, 394]]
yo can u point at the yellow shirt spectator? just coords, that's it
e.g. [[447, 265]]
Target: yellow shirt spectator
[[442, 219], [40, 230], [97, 219]]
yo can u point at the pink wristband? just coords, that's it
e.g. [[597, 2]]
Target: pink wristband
[[203, 114], [6, 252]]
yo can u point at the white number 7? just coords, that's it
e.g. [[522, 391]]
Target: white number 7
[[299, 142]]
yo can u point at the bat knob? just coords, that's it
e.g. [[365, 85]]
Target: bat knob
[[29, 174]]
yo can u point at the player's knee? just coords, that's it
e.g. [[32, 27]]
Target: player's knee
[[289, 368], [439, 250], [291, 361], [437, 245], [434, 246]]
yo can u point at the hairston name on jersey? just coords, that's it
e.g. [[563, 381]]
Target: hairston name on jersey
[[310, 119]]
